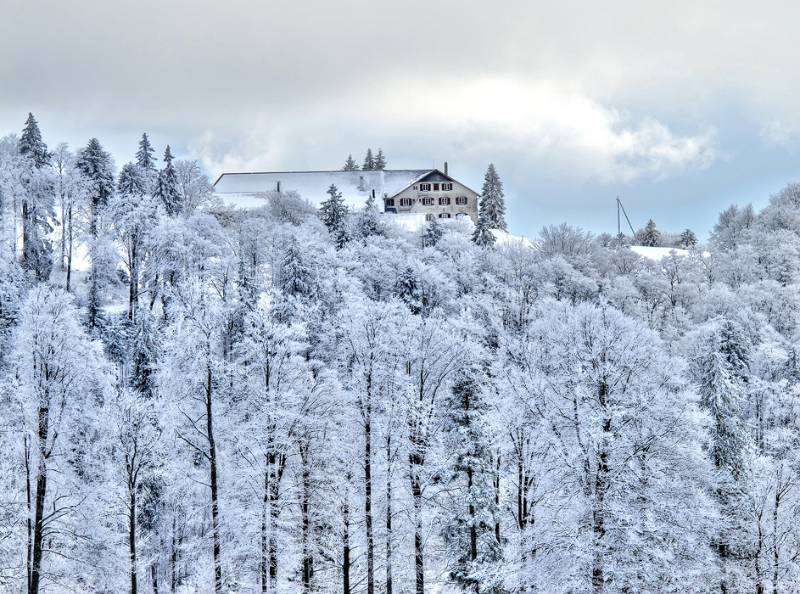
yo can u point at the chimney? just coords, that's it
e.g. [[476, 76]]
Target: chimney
[[279, 186], [445, 167]]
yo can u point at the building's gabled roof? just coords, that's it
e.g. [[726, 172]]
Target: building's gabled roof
[[355, 186], [432, 175]]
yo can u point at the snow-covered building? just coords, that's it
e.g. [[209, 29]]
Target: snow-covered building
[[428, 193]]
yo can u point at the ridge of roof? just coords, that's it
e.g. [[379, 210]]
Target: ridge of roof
[[420, 171]]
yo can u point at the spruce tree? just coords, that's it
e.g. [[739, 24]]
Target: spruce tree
[[492, 202], [468, 530], [167, 186], [483, 235], [334, 214], [144, 156], [433, 233], [688, 239], [132, 180], [650, 236], [36, 203], [369, 161], [96, 165], [31, 143], [369, 219], [350, 164], [380, 160]]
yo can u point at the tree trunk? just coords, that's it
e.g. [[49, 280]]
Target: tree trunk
[[598, 507], [263, 564], [133, 282], [69, 249], [41, 494], [775, 545], [154, 577], [389, 495], [308, 562], [473, 531], [497, 499], [346, 547], [419, 553], [173, 558], [132, 534], [368, 488], [212, 455], [29, 519]]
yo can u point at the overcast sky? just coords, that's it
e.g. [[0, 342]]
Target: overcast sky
[[680, 110]]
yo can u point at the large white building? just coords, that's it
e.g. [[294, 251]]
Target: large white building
[[413, 193]]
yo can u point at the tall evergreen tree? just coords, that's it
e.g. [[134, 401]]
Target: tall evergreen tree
[[688, 239], [493, 203], [650, 236], [369, 161], [380, 160], [167, 186], [469, 528], [350, 164], [131, 180], [97, 166], [483, 235], [31, 143], [36, 203], [144, 156], [334, 214]]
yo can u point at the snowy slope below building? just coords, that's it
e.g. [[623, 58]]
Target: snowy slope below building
[[656, 253]]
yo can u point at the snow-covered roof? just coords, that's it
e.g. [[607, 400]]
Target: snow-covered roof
[[355, 186]]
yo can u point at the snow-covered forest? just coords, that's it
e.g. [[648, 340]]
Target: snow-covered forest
[[199, 398]]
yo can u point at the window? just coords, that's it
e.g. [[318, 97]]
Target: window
[[444, 215], [444, 201], [416, 187], [424, 187], [427, 200], [446, 187], [435, 187], [429, 216], [406, 202], [461, 200], [389, 202]]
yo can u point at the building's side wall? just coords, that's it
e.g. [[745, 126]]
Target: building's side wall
[[414, 199]]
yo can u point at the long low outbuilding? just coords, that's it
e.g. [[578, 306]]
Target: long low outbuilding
[[430, 193]]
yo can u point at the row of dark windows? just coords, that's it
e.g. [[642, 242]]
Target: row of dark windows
[[444, 187], [428, 201], [444, 215]]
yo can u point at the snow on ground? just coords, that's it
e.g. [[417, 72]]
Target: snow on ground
[[656, 253], [506, 238]]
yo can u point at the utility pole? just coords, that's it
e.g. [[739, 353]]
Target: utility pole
[[619, 228]]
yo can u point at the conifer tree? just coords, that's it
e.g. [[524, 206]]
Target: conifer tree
[[369, 219], [31, 143], [369, 161], [167, 186], [334, 214], [492, 202], [433, 233], [483, 235], [131, 180], [144, 156], [96, 165], [380, 160], [350, 164], [469, 527], [36, 203], [650, 236], [688, 239]]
